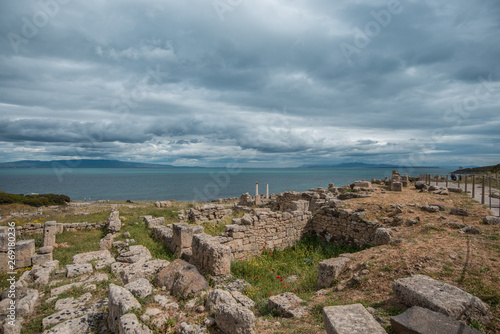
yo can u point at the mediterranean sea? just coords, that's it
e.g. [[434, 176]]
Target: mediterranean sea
[[182, 184]]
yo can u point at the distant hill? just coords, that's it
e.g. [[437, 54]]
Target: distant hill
[[485, 169], [357, 165], [81, 163]]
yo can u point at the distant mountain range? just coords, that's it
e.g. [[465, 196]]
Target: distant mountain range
[[360, 165], [81, 163]]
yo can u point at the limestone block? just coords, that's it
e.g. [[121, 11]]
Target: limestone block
[[121, 301], [350, 319], [329, 270], [25, 249], [49, 233], [287, 304], [235, 319], [418, 320], [423, 291]]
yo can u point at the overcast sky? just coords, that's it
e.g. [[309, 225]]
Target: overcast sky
[[260, 82]]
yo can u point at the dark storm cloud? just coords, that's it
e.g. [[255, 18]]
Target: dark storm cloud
[[264, 83]]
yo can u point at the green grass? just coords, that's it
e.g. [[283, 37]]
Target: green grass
[[142, 236], [269, 273], [78, 242]]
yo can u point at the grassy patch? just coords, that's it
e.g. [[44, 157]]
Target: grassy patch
[[78, 242], [294, 269], [142, 236], [216, 228]]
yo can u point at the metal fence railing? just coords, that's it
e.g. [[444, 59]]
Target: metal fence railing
[[484, 187]]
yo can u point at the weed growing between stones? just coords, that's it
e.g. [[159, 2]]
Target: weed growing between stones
[[291, 270]]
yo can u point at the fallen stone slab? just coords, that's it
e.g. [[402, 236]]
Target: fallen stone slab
[[423, 291], [121, 301], [41, 273], [83, 324], [71, 302], [350, 319], [90, 256], [94, 279], [181, 278], [39, 259], [418, 320], [329, 270], [73, 312], [131, 272], [74, 270], [235, 319], [287, 305], [140, 288], [134, 254], [26, 304], [129, 324]]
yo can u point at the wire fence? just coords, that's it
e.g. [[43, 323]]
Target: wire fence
[[484, 188]]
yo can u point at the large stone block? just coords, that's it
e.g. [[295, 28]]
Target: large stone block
[[39, 259], [423, 291], [49, 233], [129, 324], [287, 305], [235, 319], [25, 249], [210, 255], [418, 320], [114, 223], [329, 270], [181, 278], [135, 254], [350, 319], [121, 301], [4, 242]]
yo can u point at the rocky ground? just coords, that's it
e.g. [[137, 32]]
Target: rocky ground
[[130, 289]]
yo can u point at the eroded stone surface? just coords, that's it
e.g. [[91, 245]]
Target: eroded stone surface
[[140, 288], [329, 270], [350, 319], [129, 324], [423, 291], [121, 301], [134, 254], [235, 319], [418, 320], [181, 278], [83, 324], [74, 270], [288, 305]]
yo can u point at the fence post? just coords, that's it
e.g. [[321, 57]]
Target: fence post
[[446, 181], [473, 185], [482, 192], [489, 183], [459, 176], [466, 184]]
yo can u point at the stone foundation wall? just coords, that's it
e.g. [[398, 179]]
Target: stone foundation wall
[[346, 226], [207, 212], [37, 228], [249, 235]]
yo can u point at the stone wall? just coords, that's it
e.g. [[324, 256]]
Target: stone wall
[[348, 227], [249, 235], [37, 228], [207, 212]]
